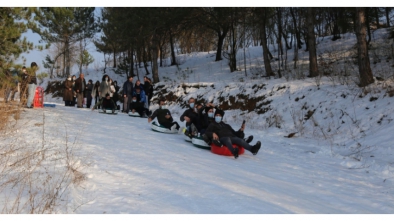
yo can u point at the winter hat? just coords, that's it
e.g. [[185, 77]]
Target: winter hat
[[218, 111], [131, 76]]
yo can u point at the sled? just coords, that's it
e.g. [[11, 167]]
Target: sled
[[104, 111], [200, 143], [187, 138], [49, 105], [135, 114], [158, 128], [225, 151]]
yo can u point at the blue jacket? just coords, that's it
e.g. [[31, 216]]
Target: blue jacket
[[141, 97]]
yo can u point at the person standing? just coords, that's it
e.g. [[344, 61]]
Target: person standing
[[80, 85], [68, 92], [148, 88], [96, 92], [127, 94], [23, 86], [31, 84], [116, 95], [105, 87], [73, 78], [88, 93]]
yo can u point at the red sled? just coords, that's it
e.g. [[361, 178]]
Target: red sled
[[225, 151]]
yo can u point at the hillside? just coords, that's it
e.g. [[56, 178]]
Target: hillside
[[330, 109], [338, 161]]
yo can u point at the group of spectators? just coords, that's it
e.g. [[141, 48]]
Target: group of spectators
[[106, 94], [205, 120]]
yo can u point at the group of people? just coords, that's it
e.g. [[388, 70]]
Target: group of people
[[106, 94], [24, 81], [206, 120], [76, 90], [201, 119]]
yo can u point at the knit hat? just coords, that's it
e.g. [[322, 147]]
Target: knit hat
[[218, 111]]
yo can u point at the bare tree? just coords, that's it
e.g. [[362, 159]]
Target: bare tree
[[364, 67], [313, 69]]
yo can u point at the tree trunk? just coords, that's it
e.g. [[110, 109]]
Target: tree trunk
[[81, 48], [264, 44], [173, 59], [364, 67], [387, 10], [155, 54], [67, 57], [131, 59], [377, 17], [114, 51], [367, 25], [221, 37], [313, 69]]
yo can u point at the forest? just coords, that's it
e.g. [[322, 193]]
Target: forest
[[143, 37]]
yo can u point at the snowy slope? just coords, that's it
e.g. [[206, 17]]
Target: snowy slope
[[339, 161], [132, 169]]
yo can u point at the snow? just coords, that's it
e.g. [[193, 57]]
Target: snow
[[339, 162]]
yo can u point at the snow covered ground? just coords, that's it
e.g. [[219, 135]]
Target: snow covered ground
[[339, 162]]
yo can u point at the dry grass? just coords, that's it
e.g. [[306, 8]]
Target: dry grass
[[36, 170]]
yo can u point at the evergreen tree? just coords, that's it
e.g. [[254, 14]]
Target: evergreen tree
[[65, 25]]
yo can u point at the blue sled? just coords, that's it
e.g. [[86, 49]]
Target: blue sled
[[49, 105]]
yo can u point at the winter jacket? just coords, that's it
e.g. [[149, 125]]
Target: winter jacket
[[95, 91], [148, 88], [80, 85], [204, 119], [112, 91], [104, 88], [128, 88], [115, 97], [140, 97], [32, 78], [160, 114], [222, 130], [194, 119], [141, 86], [136, 105], [88, 90], [67, 93]]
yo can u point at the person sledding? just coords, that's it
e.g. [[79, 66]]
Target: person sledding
[[224, 135], [164, 116], [107, 104], [207, 117], [138, 102], [192, 118]]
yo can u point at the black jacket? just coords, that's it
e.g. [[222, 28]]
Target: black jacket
[[128, 88], [194, 119], [223, 130], [148, 88], [160, 114]]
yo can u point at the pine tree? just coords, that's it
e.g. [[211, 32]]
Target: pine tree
[[65, 25]]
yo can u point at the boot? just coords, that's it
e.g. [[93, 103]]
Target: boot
[[249, 139], [256, 148], [235, 153]]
